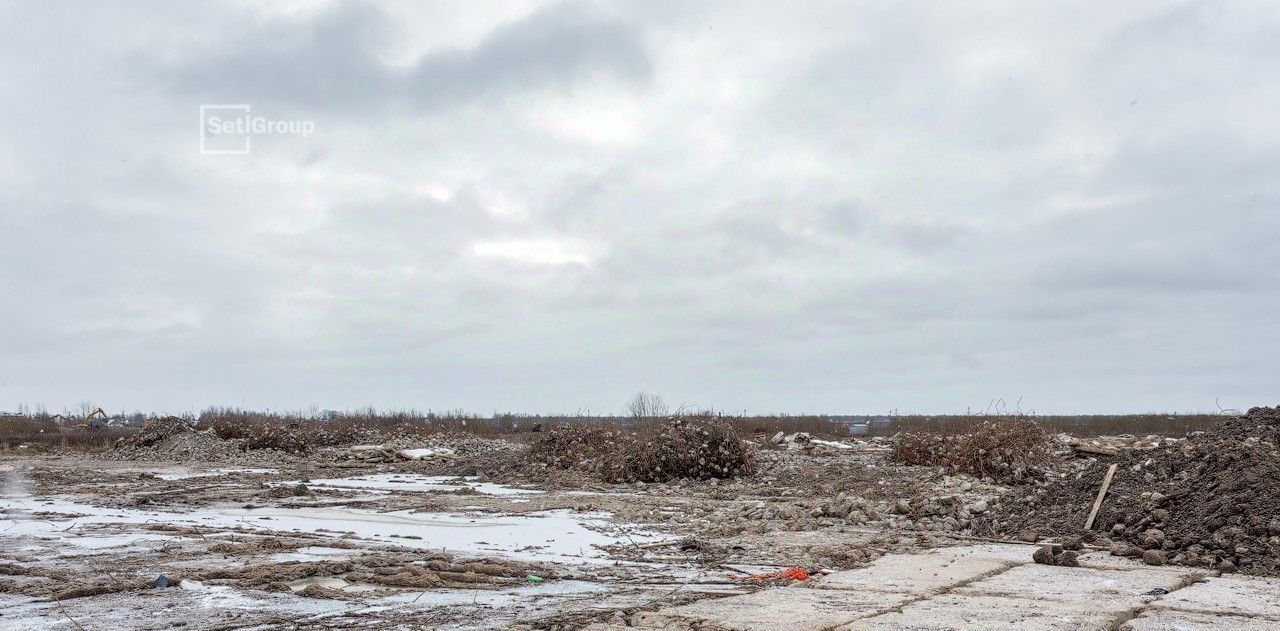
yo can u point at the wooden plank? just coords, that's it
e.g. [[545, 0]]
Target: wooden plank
[[1102, 492]]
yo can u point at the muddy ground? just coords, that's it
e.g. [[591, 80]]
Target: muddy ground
[[461, 539]]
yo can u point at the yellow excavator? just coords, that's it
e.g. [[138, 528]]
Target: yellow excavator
[[96, 419]]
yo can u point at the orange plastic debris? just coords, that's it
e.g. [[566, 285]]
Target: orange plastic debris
[[796, 573]]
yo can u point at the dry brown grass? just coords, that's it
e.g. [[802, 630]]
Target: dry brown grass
[[1084, 426], [41, 433]]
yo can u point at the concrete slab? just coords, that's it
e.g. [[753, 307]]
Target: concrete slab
[[983, 613], [1014, 554], [1076, 584], [1105, 561], [1245, 596], [1174, 620], [916, 574], [773, 609]]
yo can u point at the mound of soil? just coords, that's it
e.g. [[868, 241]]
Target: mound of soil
[[693, 447], [1210, 500], [173, 439]]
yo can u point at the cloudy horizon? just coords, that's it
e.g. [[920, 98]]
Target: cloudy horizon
[[548, 206]]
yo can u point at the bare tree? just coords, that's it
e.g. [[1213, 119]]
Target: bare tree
[[645, 405]]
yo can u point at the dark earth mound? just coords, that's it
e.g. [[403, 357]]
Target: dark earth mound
[[1211, 500]]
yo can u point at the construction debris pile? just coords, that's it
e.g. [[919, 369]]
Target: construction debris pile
[[1008, 449], [454, 453], [1210, 500], [1114, 445], [298, 438], [172, 438], [699, 448]]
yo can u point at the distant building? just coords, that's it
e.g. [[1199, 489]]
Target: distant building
[[864, 424]]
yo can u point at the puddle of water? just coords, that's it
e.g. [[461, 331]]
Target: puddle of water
[[391, 482], [184, 474], [558, 536], [315, 553], [97, 544]]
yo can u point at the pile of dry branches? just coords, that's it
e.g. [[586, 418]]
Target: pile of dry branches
[[688, 447], [1010, 449]]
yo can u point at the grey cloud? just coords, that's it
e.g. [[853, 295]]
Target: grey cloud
[[847, 208], [333, 62]]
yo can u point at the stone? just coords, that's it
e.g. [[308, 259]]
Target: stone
[[1125, 549], [1044, 555], [1153, 557]]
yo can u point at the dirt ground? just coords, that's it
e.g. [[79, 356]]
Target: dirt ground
[[211, 538], [179, 528]]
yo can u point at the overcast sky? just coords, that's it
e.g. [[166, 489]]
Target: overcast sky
[[544, 206]]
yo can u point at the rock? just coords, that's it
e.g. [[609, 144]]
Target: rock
[[1072, 543], [1227, 566], [1055, 555], [1044, 555], [1153, 557], [978, 507], [1158, 498], [1125, 549], [1153, 538]]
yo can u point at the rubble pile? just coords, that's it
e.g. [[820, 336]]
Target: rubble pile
[[698, 448], [1210, 500], [297, 438], [1114, 445], [852, 509], [1009, 449], [469, 455], [173, 439], [576, 446]]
